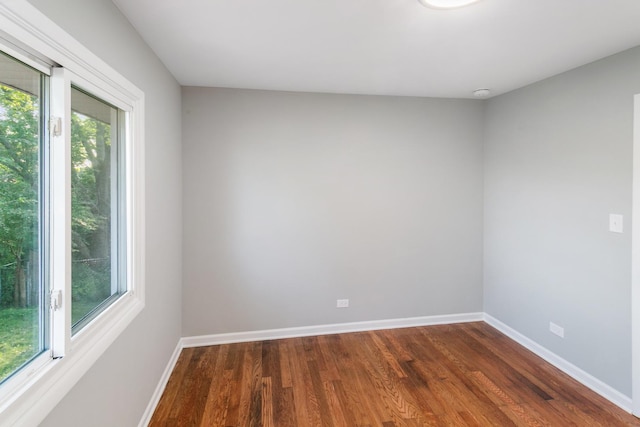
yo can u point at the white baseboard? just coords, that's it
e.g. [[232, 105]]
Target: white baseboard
[[157, 394], [305, 331], [604, 390]]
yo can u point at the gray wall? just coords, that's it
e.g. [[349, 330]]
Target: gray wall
[[558, 161], [292, 200], [117, 389]]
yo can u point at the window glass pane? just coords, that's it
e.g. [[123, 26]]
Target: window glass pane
[[22, 302], [95, 206]]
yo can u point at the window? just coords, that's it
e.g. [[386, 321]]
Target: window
[[71, 211], [97, 220], [23, 314], [98, 226]]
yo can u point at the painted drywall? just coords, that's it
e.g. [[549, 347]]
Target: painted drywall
[[293, 200], [117, 389], [558, 161]]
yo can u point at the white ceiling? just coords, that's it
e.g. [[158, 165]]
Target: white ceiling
[[390, 47]]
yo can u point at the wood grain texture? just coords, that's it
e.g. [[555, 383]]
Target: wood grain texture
[[451, 375]]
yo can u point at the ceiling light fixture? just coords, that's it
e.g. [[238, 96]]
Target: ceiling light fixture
[[446, 4], [481, 93]]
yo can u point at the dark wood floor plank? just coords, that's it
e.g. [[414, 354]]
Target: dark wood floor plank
[[385, 352], [523, 378], [451, 380], [558, 384], [245, 387], [267, 403], [319, 391], [306, 363], [300, 381], [359, 383], [285, 412], [255, 404], [217, 407], [469, 355], [520, 359], [167, 400], [335, 410], [448, 375], [326, 345], [388, 375], [285, 369], [354, 411], [216, 395], [194, 395], [430, 405]]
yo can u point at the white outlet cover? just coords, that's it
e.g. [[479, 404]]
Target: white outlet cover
[[616, 223], [557, 330], [342, 303]]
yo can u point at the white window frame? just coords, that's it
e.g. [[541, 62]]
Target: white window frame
[[27, 398]]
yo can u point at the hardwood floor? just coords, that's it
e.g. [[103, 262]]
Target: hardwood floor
[[452, 375]]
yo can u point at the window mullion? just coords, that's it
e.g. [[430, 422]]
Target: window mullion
[[60, 210]]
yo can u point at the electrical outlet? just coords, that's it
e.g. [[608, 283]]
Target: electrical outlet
[[555, 329], [342, 303]]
